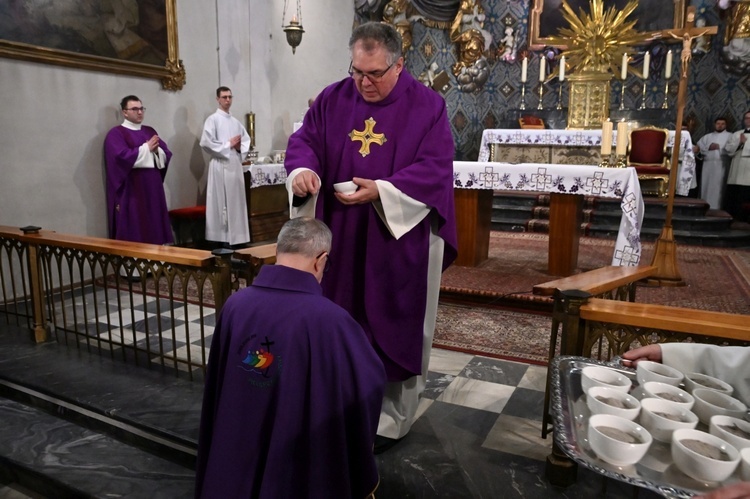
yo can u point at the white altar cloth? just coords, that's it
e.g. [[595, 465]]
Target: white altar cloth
[[582, 180], [265, 174], [686, 178]]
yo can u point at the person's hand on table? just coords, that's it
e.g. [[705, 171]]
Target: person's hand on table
[[367, 192], [738, 490], [649, 352]]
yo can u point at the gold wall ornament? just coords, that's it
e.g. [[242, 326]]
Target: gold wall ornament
[[588, 100]]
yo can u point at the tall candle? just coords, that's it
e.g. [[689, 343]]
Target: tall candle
[[541, 68], [624, 71], [607, 138], [646, 64], [524, 69], [622, 138], [561, 73], [668, 71]]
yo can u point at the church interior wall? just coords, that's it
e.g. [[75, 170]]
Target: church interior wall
[[54, 119]]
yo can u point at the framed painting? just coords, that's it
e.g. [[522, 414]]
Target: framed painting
[[653, 17], [131, 37]]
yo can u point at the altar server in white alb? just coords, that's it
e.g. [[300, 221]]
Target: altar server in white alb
[[227, 141], [715, 160], [738, 181]]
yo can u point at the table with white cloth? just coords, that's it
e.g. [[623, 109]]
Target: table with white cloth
[[267, 201], [474, 183], [575, 147]]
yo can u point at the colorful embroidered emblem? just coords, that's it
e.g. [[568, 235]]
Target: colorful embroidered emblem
[[261, 362], [258, 359], [367, 137]]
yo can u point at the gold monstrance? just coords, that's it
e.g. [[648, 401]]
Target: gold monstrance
[[596, 42]]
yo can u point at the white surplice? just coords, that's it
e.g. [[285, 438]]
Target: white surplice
[[715, 162], [226, 205]]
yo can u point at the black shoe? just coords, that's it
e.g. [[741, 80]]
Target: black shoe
[[382, 444]]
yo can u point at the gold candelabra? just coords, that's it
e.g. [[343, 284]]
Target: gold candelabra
[[541, 96], [523, 95], [643, 99], [622, 96], [665, 104]]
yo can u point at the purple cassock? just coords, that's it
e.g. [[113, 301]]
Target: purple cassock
[[136, 204], [293, 395], [381, 281]]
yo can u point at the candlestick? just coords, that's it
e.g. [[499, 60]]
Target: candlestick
[[668, 70], [542, 67], [523, 95], [665, 104], [524, 69], [607, 127], [561, 72], [624, 70], [643, 98], [622, 138], [622, 96], [541, 95], [559, 96]]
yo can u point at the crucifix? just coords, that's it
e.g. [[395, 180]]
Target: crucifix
[[665, 251]]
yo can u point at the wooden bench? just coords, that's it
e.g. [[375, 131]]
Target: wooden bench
[[601, 329], [256, 257]]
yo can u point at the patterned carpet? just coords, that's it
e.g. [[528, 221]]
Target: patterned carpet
[[717, 279]]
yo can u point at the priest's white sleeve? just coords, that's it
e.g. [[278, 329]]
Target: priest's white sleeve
[[307, 209], [145, 157], [399, 212]]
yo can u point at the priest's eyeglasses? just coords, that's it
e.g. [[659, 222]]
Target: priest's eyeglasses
[[373, 76], [328, 260], [137, 109]]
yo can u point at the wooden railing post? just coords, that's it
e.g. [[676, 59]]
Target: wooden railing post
[[36, 287], [224, 288]]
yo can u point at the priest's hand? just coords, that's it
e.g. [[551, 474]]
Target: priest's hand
[[304, 183], [153, 143], [367, 192], [649, 352]]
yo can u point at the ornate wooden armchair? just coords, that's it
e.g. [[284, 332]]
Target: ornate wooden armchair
[[647, 153]]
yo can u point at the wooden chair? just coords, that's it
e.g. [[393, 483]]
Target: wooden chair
[[647, 153]]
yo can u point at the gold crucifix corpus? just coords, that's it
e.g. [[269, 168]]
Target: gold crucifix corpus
[[665, 252], [367, 137]]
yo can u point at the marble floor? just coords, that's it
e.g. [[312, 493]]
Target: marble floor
[[478, 434]]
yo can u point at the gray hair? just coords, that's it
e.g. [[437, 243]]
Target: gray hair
[[305, 236], [374, 35]]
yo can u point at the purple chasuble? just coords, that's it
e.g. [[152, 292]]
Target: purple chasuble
[[293, 395], [136, 204], [381, 281]]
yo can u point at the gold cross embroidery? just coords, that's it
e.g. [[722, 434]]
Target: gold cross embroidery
[[367, 137]]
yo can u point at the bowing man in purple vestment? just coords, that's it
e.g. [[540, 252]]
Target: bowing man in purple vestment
[[293, 387], [137, 161], [390, 134]]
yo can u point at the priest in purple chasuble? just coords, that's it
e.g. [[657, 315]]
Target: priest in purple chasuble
[[136, 160], [293, 387], [395, 235]]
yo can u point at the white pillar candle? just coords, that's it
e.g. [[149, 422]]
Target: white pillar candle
[[622, 138], [524, 69], [646, 64], [668, 70], [541, 69], [562, 69], [607, 138], [624, 70]]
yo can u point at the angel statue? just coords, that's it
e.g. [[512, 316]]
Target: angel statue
[[394, 14], [467, 31], [736, 50]]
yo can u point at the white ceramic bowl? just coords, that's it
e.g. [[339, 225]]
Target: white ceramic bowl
[[603, 376], [699, 380], [710, 403], [345, 187], [698, 466], [668, 392], [662, 417], [646, 371], [745, 464], [718, 425], [595, 400], [613, 450]]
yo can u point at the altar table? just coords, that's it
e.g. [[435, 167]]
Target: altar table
[[267, 200], [579, 147], [474, 183]]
